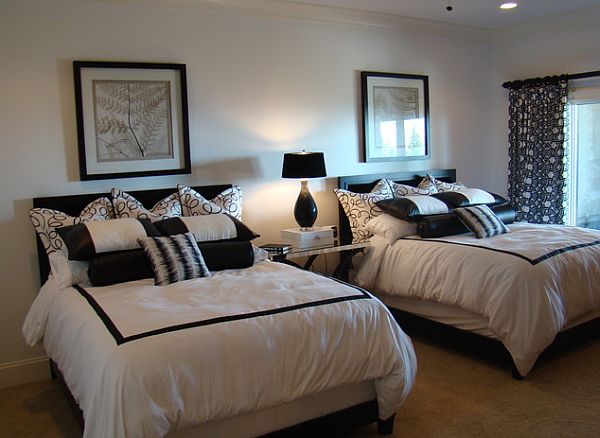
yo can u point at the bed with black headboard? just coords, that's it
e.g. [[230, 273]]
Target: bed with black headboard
[[329, 410], [423, 309]]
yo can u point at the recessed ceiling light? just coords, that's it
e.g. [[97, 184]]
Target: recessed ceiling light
[[508, 5]]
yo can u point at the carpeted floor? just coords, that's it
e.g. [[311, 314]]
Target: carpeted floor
[[455, 395]]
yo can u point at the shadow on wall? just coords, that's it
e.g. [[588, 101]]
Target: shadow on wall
[[235, 169]]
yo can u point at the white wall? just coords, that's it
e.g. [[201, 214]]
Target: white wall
[[563, 45], [257, 87]]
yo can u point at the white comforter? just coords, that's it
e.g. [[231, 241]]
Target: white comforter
[[529, 283], [146, 360]]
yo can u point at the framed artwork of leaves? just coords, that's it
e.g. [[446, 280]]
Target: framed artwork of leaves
[[132, 119], [395, 116]]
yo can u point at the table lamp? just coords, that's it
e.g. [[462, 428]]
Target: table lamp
[[304, 165]]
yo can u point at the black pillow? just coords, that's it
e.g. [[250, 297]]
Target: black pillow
[[85, 240], [119, 267], [123, 266], [211, 227], [449, 225], [412, 207], [466, 197]]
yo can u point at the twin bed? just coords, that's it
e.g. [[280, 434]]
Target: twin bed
[[522, 289], [264, 349]]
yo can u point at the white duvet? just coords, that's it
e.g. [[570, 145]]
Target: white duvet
[[529, 283], [143, 360]]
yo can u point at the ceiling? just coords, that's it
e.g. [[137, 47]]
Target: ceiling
[[477, 13]]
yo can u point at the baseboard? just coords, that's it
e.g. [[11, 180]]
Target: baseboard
[[24, 371]]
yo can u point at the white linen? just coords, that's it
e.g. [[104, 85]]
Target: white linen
[[391, 228], [147, 386], [514, 280]]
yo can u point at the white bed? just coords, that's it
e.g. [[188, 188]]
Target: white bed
[[249, 348], [148, 361], [521, 288], [533, 287]]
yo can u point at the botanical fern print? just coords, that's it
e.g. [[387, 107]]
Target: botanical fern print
[[132, 120]]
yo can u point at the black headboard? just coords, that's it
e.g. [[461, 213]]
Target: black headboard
[[74, 204], [364, 184]]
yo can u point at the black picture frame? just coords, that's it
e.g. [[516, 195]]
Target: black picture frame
[[395, 116], [132, 119]]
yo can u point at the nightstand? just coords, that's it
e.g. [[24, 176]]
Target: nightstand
[[340, 272]]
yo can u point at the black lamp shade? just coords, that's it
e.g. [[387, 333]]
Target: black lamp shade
[[303, 165]]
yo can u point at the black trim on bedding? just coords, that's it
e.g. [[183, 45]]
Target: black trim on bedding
[[531, 261], [101, 314], [120, 339]]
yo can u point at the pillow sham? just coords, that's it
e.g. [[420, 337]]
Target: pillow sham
[[435, 185], [194, 204], [126, 205], [85, 240], [207, 227], [391, 228], [481, 220], [449, 225], [360, 208], [399, 190], [174, 258], [469, 196], [412, 207], [46, 221]]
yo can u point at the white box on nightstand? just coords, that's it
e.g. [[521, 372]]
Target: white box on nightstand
[[310, 237]]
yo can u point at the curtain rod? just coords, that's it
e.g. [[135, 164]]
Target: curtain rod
[[549, 79]]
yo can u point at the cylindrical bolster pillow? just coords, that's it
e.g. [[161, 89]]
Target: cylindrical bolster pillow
[[123, 266], [85, 240], [119, 267], [227, 255], [210, 227], [448, 224]]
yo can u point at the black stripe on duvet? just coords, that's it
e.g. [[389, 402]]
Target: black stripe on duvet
[[120, 339], [532, 261]]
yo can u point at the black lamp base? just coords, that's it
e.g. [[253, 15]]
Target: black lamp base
[[305, 209]]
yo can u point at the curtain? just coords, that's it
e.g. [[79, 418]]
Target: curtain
[[536, 168]]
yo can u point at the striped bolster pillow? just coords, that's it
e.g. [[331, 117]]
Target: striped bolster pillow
[[481, 220], [174, 258]]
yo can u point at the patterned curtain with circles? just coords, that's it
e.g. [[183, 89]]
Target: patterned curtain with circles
[[537, 155]]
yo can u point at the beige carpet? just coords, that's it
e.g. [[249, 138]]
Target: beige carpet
[[455, 395]]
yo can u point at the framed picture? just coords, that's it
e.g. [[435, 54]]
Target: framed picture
[[132, 119], [395, 116]]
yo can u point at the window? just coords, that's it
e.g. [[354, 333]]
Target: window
[[584, 155]]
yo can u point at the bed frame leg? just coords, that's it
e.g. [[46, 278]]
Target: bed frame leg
[[515, 373], [53, 375], [385, 427]]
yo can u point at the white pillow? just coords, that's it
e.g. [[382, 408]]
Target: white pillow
[[360, 208], [194, 204], [391, 228], [126, 205], [46, 221], [399, 190], [435, 185]]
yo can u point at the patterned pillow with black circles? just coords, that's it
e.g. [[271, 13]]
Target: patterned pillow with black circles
[[481, 220], [46, 222], [194, 204], [360, 208], [126, 205], [399, 190], [435, 185], [174, 258]]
